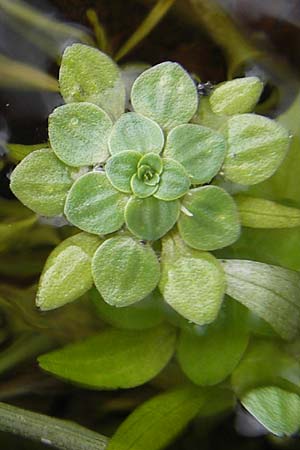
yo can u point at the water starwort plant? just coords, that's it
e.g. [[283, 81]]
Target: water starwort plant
[[158, 184]]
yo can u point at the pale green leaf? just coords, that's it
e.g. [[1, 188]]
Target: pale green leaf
[[273, 293], [192, 282], [209, 218], [94, 205], [120, 169], [114, 358], [17, 152], [41, 182], [141, 189], [135, 132], [78, 134], [256, 148], [165, 93], [174, 181], [88, 75], [200, 150], [151, 218], [147, 313], [266, 362], [261, 213], [236, 96], [154, 424], [153, 161], [276, 409], [125, 270], [208, 356], [67, 273]]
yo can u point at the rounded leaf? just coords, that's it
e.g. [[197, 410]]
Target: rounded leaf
[[141, 189], [88, 75], [67, 273], [192, 282], [141, 315], [135, 132], [165, 93], [151, 218], [153, 161], [209, 219], [41, 182], [174, 181], [200, 150], [120, 169], [125, 270], [236, 96], [78, 134], [256, 148], [276, 409], [94, 205]]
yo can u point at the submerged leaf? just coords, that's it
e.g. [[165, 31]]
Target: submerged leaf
[[114, 358], [192, 282], [236, 96], [41, 182], [151, 218], [94, 205], [88, 75], [208, 357], [261, 213], [137, 133], [15, 231], [209, 219], [125, 270], [200, 150], [146, 313], [67, 273], [154, 424], [276, 409], [165, 93], [256, 148], [78, 134], [271, 292]]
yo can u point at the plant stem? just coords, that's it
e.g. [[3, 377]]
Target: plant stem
[[225, 33], [60, 434], [99, 30], [153, 18]]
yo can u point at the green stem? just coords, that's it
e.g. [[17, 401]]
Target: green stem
[[57, 433], [99, 31], [25, 347], [30, 16], [153, 18], [225, 33]]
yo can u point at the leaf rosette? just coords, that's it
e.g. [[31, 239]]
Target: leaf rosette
[[127, 174]]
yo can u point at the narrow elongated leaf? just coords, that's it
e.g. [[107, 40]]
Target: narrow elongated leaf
[[67, 273], [154, 424], [17, 152], [165, 93], [256, 148], [261, 213], [114, 358], [41, 182], [209, 356], [137, 133], [271, 292], [192, 282], [94, 205], [236, 96], [151, 218], [199, 149], [78, 134], [209, 219], [125, 270], [276, 409], [266, 362], [14, 231], [88, 75], [147, 313]]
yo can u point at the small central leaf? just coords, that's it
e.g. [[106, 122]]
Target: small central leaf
[[152, 161], [145, 173]]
